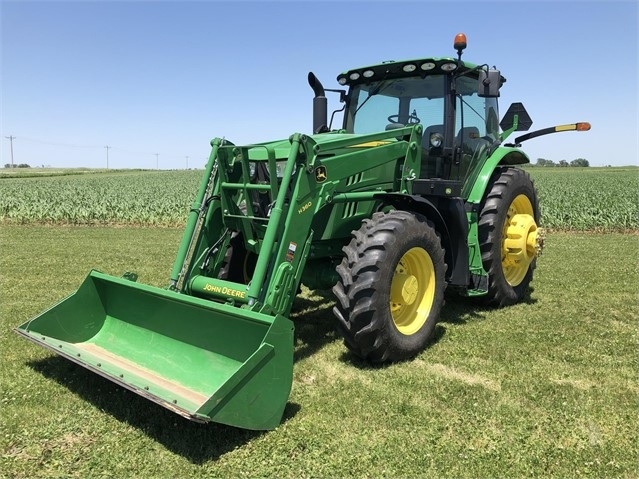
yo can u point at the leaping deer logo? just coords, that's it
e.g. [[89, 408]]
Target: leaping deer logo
[[320, 174]]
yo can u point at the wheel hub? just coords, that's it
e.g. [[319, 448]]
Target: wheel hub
[[404, 289], [412, 291], [523, 241]]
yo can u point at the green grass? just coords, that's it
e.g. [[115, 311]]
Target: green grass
[[546, 388]]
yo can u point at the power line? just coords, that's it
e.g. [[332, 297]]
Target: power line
[[11, 138], [173, 156], [54, 143]]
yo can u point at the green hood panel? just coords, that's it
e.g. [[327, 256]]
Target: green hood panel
[[282, 148]]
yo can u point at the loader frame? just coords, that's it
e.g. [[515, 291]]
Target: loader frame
[[311, 179]]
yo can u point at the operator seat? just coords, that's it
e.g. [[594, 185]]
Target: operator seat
[[471, 143]]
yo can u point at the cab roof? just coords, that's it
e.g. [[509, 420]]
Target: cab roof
[[403, 68]]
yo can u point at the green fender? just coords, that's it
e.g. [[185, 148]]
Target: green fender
[[501, 156]]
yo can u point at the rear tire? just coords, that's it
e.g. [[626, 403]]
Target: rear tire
[[391, 287], [508, 235]]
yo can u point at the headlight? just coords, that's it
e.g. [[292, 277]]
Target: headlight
[[436, 140]]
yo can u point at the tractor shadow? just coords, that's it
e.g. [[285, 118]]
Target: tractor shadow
[[312, 314], [196, 442], [457, 310], [460, 309]]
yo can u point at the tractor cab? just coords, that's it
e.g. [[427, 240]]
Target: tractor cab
[[460, 122]]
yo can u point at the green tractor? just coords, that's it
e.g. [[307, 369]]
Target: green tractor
[[416, 193]]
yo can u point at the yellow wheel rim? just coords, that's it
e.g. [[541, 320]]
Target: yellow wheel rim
[[412, 291], [521, 240]]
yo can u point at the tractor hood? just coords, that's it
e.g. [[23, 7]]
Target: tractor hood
[[282, 148]]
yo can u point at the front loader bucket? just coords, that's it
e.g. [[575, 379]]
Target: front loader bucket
[[202, 360]]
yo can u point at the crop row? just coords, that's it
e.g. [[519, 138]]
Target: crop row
[[153, 198], [604, 199]]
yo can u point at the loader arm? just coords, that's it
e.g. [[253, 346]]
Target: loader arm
[[310, 181]]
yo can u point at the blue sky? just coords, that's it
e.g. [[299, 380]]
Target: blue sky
[[165, 77]]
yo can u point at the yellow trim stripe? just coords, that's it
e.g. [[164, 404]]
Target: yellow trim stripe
[[371, 143], [566, 127]]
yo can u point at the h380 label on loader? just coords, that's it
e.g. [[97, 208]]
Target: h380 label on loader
[[304, 207]]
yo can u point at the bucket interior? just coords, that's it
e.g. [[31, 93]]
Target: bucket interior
[[176, 349]]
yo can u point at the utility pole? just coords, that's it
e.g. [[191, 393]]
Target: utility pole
[[157, 161], [11, 138], [187, 162], [107, 150]]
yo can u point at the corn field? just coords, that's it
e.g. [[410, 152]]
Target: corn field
[[582, 199], [141, 197]]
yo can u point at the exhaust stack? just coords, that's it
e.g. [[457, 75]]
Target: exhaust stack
[[320, 105]]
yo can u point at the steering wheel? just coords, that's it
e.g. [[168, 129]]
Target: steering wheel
[[412, 119]]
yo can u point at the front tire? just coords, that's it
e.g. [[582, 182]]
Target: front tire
[[509, 237], [391, 287], [239, 264]]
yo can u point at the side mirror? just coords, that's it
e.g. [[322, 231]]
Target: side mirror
[[489, 83]]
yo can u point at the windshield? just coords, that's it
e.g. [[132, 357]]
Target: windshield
[[387, 104]]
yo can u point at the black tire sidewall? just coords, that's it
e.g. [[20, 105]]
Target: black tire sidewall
[[402, 344], [509, 183], [387, 237]]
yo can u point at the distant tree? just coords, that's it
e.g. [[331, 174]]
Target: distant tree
[[563, 163], [21, 165], [580, 162], [545, 162]]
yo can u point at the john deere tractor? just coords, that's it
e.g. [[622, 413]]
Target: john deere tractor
[[416, 193]]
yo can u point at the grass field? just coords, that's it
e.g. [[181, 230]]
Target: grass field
[[544, 388]]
